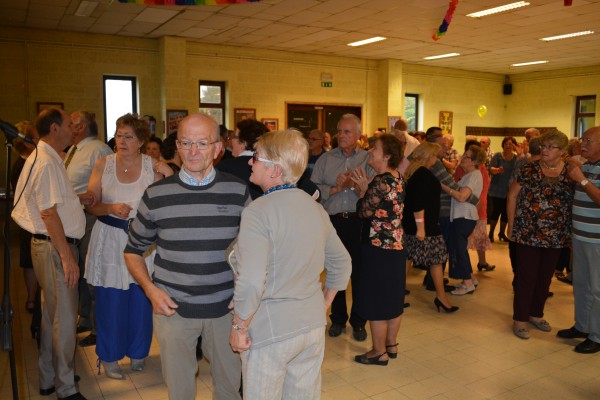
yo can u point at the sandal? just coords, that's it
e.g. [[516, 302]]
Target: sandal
[[30, 306], [389, 353]]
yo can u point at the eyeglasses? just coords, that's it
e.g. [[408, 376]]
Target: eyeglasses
[[467, 156], [256, 158], [232, 137], [588, 140], [200, 145], [128, 138], [311, 139], [549, 147]]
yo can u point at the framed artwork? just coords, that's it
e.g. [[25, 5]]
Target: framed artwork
[[240, 114], [271, 123], [392, 121], [446, 122], [174, 117], [42, 105]]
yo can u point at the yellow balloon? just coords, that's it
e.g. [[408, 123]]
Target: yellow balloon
[[481, 111]]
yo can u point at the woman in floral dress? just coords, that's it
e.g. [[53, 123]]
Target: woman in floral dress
[[382, 282], [539, 222]]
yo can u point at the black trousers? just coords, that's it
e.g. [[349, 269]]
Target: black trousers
[[349, 231]]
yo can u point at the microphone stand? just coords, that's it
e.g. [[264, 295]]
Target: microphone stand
[[6, 312]]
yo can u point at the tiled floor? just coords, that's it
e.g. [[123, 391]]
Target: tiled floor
[[471, 354]]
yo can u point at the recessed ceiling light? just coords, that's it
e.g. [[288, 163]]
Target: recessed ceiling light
[[441, 56], [86, 8], [528, 63], [499, 9], [366, 41], [566, 36]]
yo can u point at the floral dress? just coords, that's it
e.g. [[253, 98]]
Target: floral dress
[[383, 204], [381, 280], [543, 211]]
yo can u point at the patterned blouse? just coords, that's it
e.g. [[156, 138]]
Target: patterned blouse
[[383, 204], [543, 211]]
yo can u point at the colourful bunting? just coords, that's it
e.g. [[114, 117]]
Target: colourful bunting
[[446, 22], [187, 2]]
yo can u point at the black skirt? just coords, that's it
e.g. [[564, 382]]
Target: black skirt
[[381, 284]]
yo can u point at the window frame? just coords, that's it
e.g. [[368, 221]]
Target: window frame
[[416, 123], [222, 105], [134, 96], [579, 115]]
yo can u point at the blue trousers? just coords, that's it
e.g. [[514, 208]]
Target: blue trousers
[[124, 323], [460, 263]]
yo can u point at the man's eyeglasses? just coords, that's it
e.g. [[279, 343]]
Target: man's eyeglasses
[[311, 139], [587, 140], [549, 147], [256, 158], [200, 145]]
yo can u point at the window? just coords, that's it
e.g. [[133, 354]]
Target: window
[[120, 98], [212, 100], [585, 114], [411, 110]]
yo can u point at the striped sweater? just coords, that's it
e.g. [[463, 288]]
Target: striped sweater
[[192, 226], [586, 213]]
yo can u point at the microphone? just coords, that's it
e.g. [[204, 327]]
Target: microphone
[[11, 131]]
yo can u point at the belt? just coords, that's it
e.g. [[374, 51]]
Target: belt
[[346, 215], [115, 222], [39, 236]]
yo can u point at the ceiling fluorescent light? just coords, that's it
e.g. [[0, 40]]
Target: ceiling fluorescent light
[[566, 36], [528, 63], [86, 8], [366, 41], [441, 56], [499, 9]]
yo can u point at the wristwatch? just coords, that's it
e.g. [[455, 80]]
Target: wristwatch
[[583, 182]]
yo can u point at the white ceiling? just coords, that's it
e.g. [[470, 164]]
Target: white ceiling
[[489, 44]]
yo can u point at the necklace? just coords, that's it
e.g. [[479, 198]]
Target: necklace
[[549, 167], [281, 187]]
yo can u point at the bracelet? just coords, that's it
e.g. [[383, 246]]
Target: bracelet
[[419, 219], [238, 327]]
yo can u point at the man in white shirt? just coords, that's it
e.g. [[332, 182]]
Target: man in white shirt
[[47, 206], [79, 162]]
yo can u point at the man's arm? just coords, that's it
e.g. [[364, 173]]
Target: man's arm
[[445, 178], [162, 304], [576, 175], [57, 235]]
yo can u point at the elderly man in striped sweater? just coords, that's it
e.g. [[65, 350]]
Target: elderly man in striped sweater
[[192, 217]]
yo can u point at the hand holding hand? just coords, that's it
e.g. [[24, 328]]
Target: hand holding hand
[[360, 178], [121, 210], [574, 170], [87, 199]]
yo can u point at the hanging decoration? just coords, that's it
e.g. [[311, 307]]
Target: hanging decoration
[[568, 2], [187, 2], [446, 22]]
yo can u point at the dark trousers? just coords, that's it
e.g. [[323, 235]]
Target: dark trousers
[[349, 231], [533, 272], [460, 263]]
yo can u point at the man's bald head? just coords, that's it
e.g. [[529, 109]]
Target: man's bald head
[[531, 133]]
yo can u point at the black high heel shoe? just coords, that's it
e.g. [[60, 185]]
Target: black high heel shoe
[[485, 266], [503, 237], [363, 359], [389, 353], [439, 304]]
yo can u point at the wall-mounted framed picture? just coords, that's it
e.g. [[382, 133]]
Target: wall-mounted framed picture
[[392, 121], [174, 117], [42, 105], [240, 114], [446, 122], [271, 123]]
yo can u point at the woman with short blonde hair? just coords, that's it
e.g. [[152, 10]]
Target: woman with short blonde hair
[[285, 239]]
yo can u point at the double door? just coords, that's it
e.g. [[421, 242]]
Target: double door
[[306, 117]]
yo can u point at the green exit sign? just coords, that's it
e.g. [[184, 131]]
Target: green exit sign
[[326, 84]]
